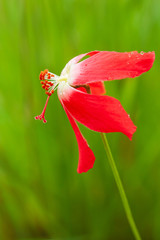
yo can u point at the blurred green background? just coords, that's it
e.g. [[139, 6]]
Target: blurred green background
[[41, 194]]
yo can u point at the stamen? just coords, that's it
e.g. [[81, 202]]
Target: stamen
[[46, 75], [42, 74], [50, 93], [41, 116], [48, 81], [49, 76]]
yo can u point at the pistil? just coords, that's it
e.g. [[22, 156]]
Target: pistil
[[41, 116]]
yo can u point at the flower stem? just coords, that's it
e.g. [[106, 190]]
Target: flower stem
[[120, 188]]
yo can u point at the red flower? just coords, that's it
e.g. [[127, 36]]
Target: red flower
[[99, 113]]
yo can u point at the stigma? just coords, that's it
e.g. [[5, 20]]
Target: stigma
[[41, 116]]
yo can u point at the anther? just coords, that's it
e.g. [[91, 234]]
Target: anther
[[47, 85], [49, 93], [49, 76], [42, 74]]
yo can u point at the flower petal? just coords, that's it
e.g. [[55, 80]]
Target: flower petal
[[76, 60], [110, 66], [99, 113], [97, 88], [86, 156]]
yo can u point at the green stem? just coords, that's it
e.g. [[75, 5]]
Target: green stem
[[120, 188]]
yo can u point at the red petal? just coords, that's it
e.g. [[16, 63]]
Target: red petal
[[82, 89], [86, 156], [110, 66], [97, 88], [99, 113], [77, 59]]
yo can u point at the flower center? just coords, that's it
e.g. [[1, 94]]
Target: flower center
[[62, 78], [50, 82]]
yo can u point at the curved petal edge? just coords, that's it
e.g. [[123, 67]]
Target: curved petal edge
[[99, 113], [105, 65]]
